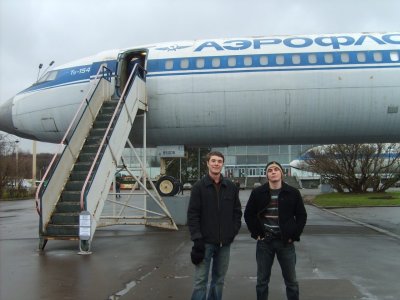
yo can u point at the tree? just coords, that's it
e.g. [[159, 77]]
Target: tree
[[7, 163], [190, 165], [11, 179], [356, 167]]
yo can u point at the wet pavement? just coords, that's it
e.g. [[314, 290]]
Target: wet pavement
[[338, 259]]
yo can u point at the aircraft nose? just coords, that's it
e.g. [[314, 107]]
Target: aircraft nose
[[6, 123]]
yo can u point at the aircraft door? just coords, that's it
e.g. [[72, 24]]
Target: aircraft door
[[126, 63]]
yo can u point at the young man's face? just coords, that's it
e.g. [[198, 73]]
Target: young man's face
[[215, 164], [274, 174]]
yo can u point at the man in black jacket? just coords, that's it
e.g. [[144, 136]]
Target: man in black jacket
[[214, 219], [275, 216]]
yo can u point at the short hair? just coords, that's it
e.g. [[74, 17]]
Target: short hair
[[215, 153]]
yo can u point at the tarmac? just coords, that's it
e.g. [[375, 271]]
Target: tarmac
[[344, 254]]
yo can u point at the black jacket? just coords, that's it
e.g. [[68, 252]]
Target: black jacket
[[291, 210], [214, 217]]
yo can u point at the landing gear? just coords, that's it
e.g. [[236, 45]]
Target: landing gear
[[167, 186]]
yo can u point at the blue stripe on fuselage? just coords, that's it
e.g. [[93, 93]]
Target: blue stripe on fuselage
[[237, 64], [273, 62], [74, 75]]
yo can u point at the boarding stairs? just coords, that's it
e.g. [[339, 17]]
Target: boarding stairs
[[78, 183]]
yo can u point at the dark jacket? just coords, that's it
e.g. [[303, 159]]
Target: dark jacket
[[291, 210], [214, 217]]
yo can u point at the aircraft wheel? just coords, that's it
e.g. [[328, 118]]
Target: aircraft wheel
[[167, 186]]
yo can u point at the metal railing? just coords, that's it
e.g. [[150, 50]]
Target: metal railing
[[137, 71], [103, 72]]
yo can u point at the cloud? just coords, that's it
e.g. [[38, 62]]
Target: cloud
[[39, 31]]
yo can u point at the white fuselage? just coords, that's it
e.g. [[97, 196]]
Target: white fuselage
[[272, 90]]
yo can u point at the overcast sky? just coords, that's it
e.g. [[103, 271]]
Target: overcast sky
[[39, 31]]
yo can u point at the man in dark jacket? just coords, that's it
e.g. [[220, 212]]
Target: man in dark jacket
[[214, 219], [275, 216]]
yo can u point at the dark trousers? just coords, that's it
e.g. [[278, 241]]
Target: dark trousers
[[286, 254]]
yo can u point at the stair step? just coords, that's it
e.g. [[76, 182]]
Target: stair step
[[113, 101], [65, 219], [109, 105], [89, 148], [107, 110], [82, 166], [62, 230], [60, 237], [86, 157], [95, 139], [99, 132], [68, 207], [78, 175], [70, 196], [74, 185], [104, 117], [101, 124]]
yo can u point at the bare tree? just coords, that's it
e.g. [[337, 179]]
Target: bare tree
[[7, 163], [356, 167], [12, 174]]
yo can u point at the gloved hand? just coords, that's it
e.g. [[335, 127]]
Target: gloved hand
[[198, 251]]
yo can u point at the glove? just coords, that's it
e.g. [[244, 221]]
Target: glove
[[198, 251], [199, 245]]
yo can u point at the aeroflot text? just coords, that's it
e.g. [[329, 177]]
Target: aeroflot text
[[336, 42]]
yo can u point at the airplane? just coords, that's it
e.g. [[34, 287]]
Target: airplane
[[305, 89], [308, 89], [387, 158]]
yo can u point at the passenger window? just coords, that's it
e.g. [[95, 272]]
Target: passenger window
[[312, 58], [231, 61], [280, 59], [185, 63], [248, 61], [200, 63], [361, 57], [263, 60], [378, 56], [328, 57], [344, 57], [169, 64], [296, 59], [394, 56], [216, 62]]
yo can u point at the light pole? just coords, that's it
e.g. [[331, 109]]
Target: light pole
[[16, 163], [33, 165]]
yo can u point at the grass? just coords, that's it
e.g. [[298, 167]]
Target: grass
[[355, 200]]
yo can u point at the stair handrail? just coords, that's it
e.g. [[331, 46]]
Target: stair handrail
[[127, 87], [103, 72]]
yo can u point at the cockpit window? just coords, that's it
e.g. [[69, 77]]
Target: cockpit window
[[51, 75]]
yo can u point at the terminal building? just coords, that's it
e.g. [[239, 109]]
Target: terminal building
[[246, 164], [243, 163], [250, 161]]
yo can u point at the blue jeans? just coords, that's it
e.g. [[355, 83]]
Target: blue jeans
[[220, 262], [286, 254]]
